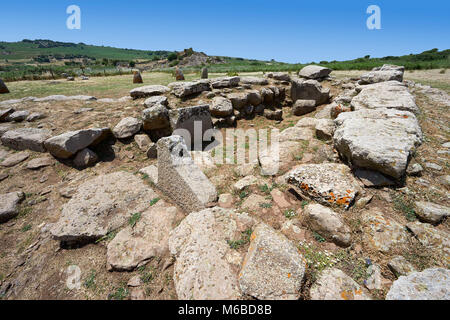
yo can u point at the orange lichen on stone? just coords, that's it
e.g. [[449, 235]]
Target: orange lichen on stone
[[347, 295], [304, 186], [289, 275]]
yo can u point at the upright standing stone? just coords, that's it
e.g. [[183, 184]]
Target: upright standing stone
[[137, 78], [179, 76], [3, 87], [204, 73], [180, 178]]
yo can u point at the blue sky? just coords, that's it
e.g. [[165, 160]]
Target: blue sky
[[284, 30]]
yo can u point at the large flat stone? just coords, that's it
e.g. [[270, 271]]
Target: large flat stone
[[382, 140], [185, 89], [206, 266], [273, 268], [26, 138], [390, 95], [9, 205], [101, 205], [135, 245], [148, 91], [67, 144], [430, 284]]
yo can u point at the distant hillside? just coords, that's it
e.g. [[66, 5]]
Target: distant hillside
[[47, 59]]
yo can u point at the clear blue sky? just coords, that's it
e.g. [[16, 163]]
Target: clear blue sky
[[285, 30]]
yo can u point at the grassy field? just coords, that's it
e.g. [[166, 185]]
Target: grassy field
[[119, 86]]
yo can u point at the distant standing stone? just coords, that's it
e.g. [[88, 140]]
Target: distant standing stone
[[137, 78], [179, 76], [204, 73], [3, 87]]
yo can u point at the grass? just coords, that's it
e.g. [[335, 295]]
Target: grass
[[26, 228], [108, 237], [318, 237], [265, 205], [245, 238], [154, 201], [89, 283], [145, 275], [289, 213], [134, 219], [404, 205], [119, 294]]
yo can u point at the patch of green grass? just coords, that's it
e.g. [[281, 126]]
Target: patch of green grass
[[289, 213], [404, 205], [26, 228], [89, 283], [318, 237], [245, 238], [154, 201], [109, 236], [304, 203], [265, 205], [120, 294], [134, 219], [146, 276]]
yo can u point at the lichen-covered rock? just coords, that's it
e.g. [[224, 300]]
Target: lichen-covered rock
[[156, 100], [381, 233], [327, 183], [205, 266], [254, 81], [14, 159], [101, 205], [273, 268], [431, 237], [430, 284], [296, 134], [381, 76], [18, 116], [333, 284], [400, 266], [26, 138], [149, 238], [382, 140], [302, 107], [328, 224]]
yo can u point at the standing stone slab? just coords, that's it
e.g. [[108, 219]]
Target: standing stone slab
[[204, 73], [180, 178], [327, 183], [333, 284], [148, 91], [26, 138], [430, 284], [309, 90], [101, 205], [149, 238], [190, 117], [273, 268], [67, 144], [3, 87], [9, 203], [206, 266], [390, 95], [137, 78], [382, 140]]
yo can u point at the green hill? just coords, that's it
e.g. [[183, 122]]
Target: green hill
[[47, 59]]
